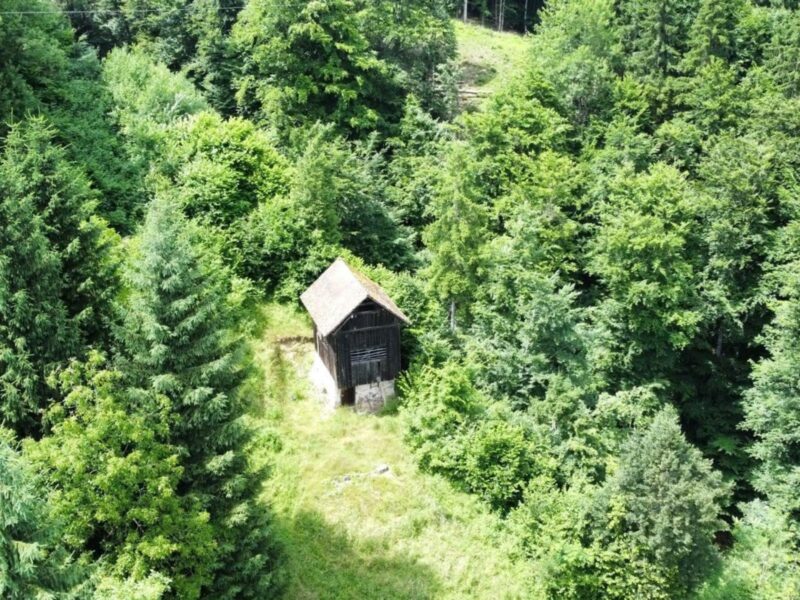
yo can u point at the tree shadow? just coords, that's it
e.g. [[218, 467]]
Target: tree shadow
[[323, 562]]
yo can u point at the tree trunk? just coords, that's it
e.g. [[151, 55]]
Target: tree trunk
[[525, 18], [466, 6], [500, 14]]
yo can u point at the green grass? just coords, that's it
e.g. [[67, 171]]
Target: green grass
[[351, 532], [488, 58]]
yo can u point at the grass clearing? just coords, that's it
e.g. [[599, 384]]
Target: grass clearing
[[351, 531], [487, 58]]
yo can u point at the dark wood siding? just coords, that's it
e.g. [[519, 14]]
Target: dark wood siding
[[365, 348]]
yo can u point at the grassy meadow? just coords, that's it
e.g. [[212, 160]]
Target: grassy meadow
[[350, 531]]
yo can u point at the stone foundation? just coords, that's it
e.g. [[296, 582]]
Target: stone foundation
[[372, 397]]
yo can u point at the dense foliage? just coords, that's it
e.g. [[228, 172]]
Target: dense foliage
[[33, 563], [600, 261], [612, 236]]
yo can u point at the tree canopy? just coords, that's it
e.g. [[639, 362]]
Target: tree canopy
[[599, 255]]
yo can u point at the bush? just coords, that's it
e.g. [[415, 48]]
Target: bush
[[763, 563], [456, 432], [497, 463]]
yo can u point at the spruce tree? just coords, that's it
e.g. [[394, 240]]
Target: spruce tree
[[57, 274], [181, 341], [663, 505]]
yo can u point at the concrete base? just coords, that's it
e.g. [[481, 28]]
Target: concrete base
[[372, 397], [369, 398], [324, 383]]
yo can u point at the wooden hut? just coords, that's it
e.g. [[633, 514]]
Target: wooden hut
[[356, 337]]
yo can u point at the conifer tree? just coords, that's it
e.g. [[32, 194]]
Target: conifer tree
[[310, 62], [57, 274], [457, 235], [34, 45], [772, 406], [713, 32], [180, 341], [115, 483], [655, 34], [646, 252], [783, 53], [663, 505], [33, 564]]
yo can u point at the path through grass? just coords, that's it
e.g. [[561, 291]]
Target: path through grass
[[353, 532]]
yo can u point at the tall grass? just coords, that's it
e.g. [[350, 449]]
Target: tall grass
[[352, 531]]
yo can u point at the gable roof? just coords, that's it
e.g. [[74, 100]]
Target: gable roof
[[338, 291]]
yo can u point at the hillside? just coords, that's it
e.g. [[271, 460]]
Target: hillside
[[591, 234], [356, 517], [486, 58]]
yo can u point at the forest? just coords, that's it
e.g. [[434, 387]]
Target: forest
[[599, 254]]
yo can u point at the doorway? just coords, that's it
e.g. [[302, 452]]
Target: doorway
[[348, 396]]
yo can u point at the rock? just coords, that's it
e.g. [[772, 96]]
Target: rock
[[381, 469]]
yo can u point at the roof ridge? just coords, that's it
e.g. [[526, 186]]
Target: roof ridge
[[333, 296]]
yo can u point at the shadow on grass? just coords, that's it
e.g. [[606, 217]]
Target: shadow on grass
[[474, 74], [324, 563]]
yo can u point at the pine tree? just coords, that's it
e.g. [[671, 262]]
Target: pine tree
[[180, 341], [57, 274]]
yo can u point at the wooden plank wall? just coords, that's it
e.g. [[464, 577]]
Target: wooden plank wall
[[370, 331]]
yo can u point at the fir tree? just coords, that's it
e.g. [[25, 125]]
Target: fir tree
[[115, 483], [457, 235], [783, 53], [772, 406], [663, 505], [655, 34], [713, 32], [181, 341]]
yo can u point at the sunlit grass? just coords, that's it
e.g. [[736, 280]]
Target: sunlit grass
[[488, 58], [350, 531]]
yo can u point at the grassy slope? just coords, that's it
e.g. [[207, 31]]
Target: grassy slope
[[350, 532], [487, 58]]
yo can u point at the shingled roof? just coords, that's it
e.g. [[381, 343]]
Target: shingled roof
[[338, 291]]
